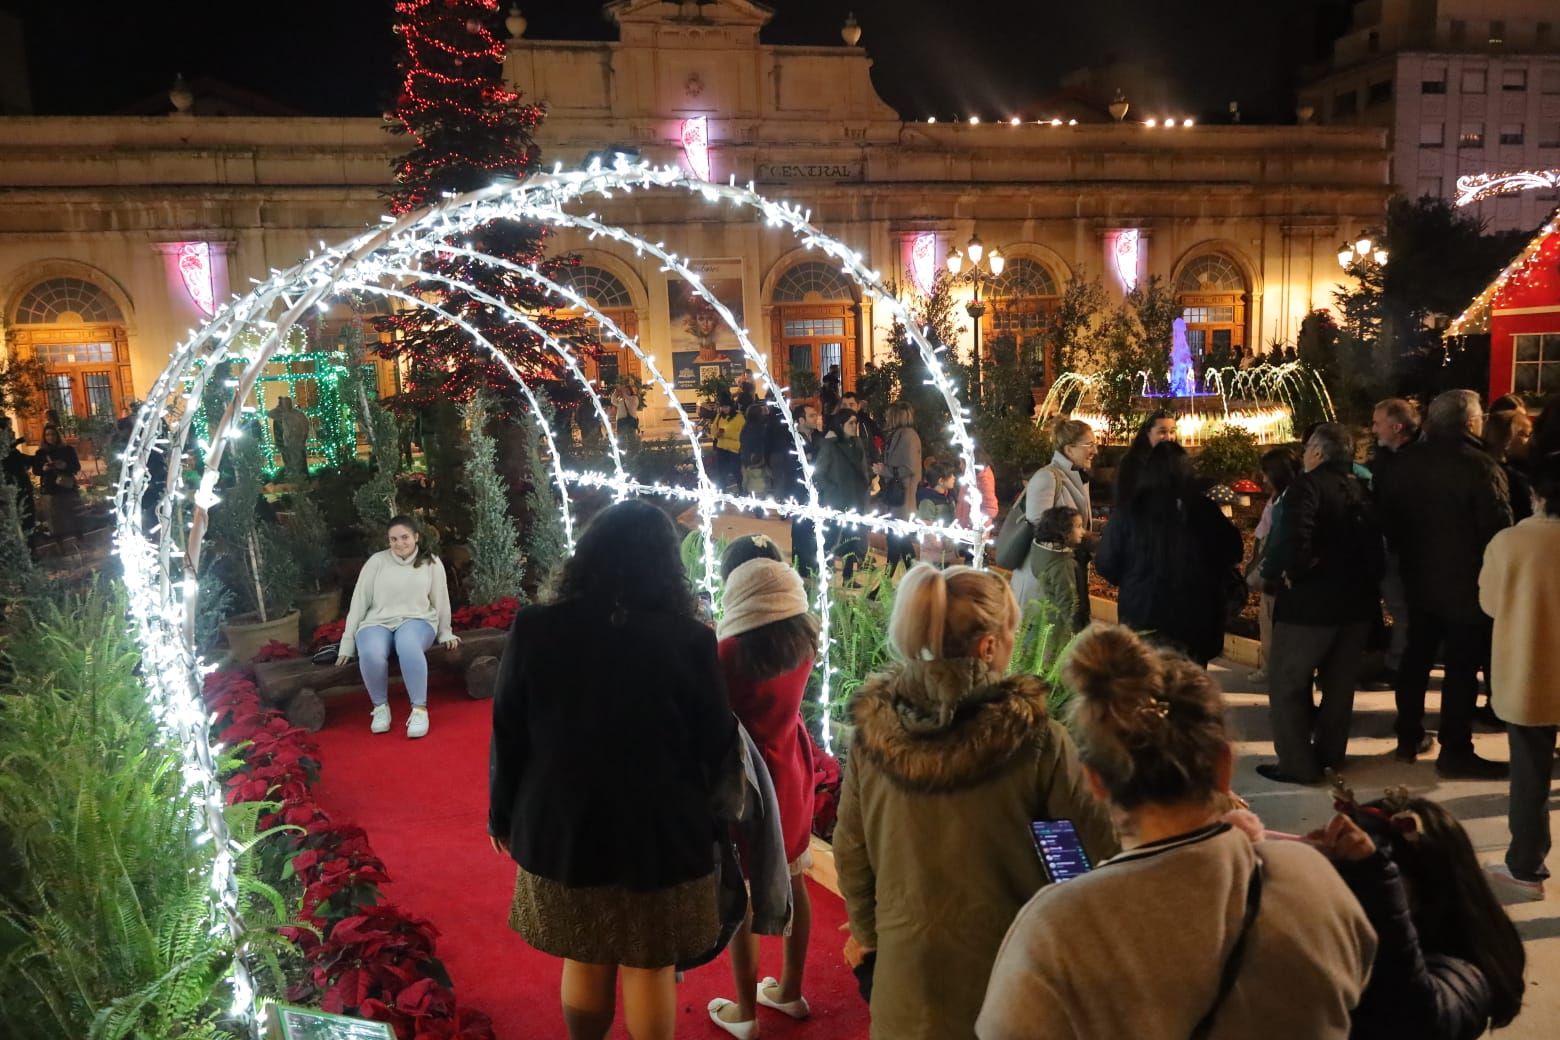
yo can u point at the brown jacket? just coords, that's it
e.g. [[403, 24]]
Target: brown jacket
[[949, 765]]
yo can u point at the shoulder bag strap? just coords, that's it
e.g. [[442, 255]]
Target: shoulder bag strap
[[1232, 966]]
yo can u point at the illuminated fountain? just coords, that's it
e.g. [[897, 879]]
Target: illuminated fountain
[[1261, 399]]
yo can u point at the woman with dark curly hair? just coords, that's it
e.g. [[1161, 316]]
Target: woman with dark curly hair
[[610, 726]]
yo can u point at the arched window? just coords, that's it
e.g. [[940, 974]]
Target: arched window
[[601, 287], [77, 330], [70, 301], [813, 281], [1018, 301], [607, 293], [814, 323], [1212, 292]]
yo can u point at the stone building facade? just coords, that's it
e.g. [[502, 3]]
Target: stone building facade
[[110, 226]]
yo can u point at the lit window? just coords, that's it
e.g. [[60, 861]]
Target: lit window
[[1497, 33], [1536, 369], [1472, 136]]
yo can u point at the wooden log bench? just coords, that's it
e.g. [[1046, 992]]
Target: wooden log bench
[[299, 687]]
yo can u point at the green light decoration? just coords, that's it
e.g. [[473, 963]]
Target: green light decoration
[[332, 429]]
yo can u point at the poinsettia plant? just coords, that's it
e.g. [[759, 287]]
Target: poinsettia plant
[[330, 632], [276, 650], [499, 614], [365, 956]]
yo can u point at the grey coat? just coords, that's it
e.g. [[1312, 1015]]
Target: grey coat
[[745, 797], [902, 459]]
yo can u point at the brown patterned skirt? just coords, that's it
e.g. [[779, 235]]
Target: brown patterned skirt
[[611, 925]]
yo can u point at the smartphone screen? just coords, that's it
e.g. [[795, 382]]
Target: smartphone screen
[[1061, 850]]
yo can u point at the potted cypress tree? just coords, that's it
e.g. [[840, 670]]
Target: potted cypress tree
[[259, 553], [319, 601]]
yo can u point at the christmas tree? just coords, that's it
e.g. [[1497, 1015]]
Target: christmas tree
[[467, 129], [495, 547]]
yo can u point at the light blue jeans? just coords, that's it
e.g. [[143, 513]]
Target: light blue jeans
[[411, 641]]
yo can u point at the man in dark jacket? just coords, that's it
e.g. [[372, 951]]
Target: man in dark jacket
[[1395, 425], [1444, 502], [1325, 565], [789, 483]]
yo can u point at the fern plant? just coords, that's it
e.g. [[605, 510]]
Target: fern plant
[[107, 929]]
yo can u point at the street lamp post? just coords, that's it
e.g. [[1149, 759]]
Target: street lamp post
[[984, 265], [1361, 251]]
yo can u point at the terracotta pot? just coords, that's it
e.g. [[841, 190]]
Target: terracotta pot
[[316, 609], [246, 635]]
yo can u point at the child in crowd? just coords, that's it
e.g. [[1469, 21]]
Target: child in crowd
[[1449, 962], [934, 504], [1058, 534], [768, 641]]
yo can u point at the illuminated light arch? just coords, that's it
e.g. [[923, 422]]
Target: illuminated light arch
[[1480, 186], [161, 563]]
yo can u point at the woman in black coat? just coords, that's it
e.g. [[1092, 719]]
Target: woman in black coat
[[1173, 555], [57, 467], [844, 479], [610, 727]]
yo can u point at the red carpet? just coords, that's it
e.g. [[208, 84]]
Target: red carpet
[[424, 806]]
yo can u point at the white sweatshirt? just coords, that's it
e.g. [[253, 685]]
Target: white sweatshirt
[[391, 591]]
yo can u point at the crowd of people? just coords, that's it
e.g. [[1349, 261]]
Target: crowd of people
[[52, 505], [658, 801]]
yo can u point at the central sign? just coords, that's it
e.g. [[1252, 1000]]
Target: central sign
[[811, 171]]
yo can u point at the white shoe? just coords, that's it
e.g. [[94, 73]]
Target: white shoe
[[1503, 880], [417, 725], [379, 722], [797, 1008], [740, 1030]]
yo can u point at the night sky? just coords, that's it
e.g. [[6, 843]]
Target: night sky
[[948, 57]]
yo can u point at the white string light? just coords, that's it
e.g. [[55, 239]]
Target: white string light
[[161, 564], [1477, 187]]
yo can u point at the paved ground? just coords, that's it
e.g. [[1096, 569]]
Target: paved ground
[[1480, 805]]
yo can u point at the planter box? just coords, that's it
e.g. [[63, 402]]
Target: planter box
[[320, 608], [246, 636]]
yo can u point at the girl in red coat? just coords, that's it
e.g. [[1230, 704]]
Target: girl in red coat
[[767, 644]]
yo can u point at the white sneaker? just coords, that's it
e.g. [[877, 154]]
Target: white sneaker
[[417, 725], [379, 722], [1505, 881]]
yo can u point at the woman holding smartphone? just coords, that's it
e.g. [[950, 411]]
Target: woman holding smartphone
[[1228, 937], [952, 762]]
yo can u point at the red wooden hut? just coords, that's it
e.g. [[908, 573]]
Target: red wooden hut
[[1520, 310]]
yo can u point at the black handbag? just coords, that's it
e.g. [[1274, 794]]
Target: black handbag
[[1015, 537]]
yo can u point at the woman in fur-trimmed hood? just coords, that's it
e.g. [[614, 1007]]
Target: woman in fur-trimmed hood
[[951, 762]]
